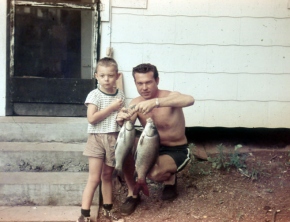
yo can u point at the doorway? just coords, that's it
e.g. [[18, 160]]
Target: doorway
[[53, 52]]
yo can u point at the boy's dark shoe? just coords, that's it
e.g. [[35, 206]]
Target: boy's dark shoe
[[83, 219], [129, 205], [170, 191]]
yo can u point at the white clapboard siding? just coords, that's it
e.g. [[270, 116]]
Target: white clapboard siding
[[241, 114], [201, 30], [225, 8], [222, 87], [232, 56], [206, 59]]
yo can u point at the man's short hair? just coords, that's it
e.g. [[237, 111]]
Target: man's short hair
[[107, 61], [144, 68]]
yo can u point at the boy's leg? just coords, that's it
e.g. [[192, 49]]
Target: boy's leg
[[107, 187], [107, 192], [95, 169]]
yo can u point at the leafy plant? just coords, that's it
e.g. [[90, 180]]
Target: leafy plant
[[220, 161], [226, 161]]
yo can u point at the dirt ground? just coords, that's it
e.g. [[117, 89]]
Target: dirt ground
[[256, 190]]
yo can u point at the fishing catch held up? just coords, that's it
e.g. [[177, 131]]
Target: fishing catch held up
[[146, 155]]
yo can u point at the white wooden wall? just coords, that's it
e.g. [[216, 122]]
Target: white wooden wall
[[232, 56]]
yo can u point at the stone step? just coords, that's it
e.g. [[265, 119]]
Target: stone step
[[43, 188], [43, 213], [43, 129], [42, 156]]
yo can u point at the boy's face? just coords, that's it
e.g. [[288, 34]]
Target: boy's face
[[107, 77]]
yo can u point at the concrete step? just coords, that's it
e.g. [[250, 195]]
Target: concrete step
[[43, 213], [43, 188], [43, 129], [42, 156]]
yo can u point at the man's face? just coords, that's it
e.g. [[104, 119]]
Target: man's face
[[146, 85]]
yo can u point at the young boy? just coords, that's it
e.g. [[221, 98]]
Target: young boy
[[103, 105]]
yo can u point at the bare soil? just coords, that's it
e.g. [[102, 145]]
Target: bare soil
[[259, 192]]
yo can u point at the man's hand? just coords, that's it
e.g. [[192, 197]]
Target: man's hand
[[145, 107], [125, 114]]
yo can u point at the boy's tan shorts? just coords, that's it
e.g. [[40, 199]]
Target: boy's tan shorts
[[102, 146]]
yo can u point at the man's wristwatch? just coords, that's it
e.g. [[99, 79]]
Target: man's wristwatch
[[157, 103]]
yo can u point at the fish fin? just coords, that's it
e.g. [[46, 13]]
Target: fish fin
[[141, 139]]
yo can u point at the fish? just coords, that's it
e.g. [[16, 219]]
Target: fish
[[146, 155], [123, 146]]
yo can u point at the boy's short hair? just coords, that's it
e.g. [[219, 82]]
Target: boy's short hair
[[107, 61], [144, 68]]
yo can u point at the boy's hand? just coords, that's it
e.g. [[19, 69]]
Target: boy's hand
[[117, 104]]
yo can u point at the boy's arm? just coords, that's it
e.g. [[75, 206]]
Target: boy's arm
[[94, 115]]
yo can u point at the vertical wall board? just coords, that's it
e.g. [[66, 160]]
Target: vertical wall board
[[3, 58], [105, 38]]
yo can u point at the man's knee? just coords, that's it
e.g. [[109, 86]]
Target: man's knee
[[155, 175]]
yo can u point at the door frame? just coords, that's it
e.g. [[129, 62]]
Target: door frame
[[94, 6]]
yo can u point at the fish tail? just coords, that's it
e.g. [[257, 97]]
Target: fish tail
[[141, 186]]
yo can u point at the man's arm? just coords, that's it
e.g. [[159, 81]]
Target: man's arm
[[176, 99], [173, 99]]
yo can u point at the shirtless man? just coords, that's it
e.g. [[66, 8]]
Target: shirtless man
[[165, 108]]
